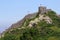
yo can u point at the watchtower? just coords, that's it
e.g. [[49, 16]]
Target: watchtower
[[42, 9]]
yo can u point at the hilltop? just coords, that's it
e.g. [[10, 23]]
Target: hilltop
[[42, 25]]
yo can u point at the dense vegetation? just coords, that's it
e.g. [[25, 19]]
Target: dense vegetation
[[42, 31]]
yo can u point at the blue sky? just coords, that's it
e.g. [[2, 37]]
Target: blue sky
[[12, 11]]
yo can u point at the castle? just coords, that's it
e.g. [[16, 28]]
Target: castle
[[43, 9]]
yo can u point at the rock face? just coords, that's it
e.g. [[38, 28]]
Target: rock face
[[41, 17]]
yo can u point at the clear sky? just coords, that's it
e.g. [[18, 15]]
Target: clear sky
[[12, 11]]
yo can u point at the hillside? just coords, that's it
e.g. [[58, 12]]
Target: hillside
[[42, 25]]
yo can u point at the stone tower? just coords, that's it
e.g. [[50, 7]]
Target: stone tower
[[42, 9]]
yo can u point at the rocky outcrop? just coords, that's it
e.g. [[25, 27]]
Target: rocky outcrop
[[40, 18]]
